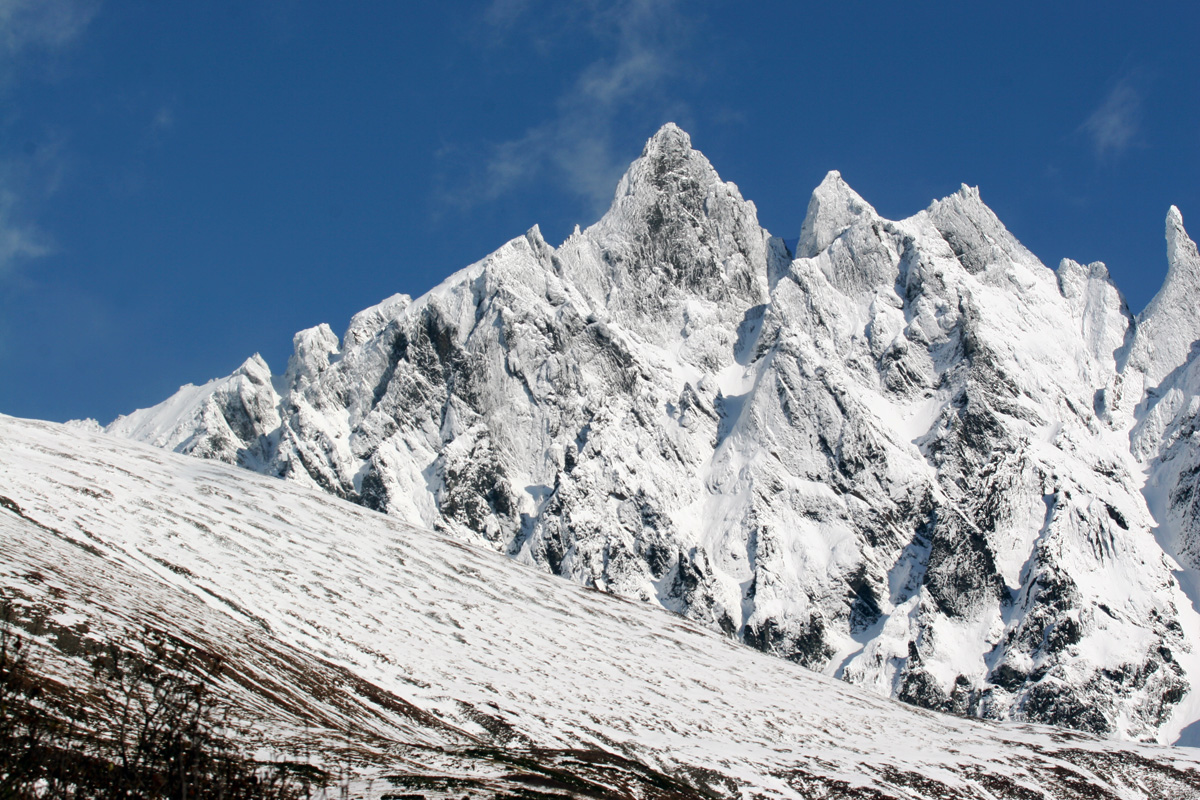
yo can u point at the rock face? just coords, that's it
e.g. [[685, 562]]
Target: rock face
[[911, 456]]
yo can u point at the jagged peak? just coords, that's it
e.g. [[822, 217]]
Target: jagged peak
[[673, 184], [1181, 250], [1183, 266], [313, 347], [255, 368], [833, 208], [1096, 270], [669, 136], [1170, 323], [969, 193], [371, 320], [673, 219], [537, 242], [542, 250], [667, 157], [669, 150], [319, 335], [966, 200], [974, 232]]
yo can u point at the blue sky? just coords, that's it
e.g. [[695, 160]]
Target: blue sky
[[185, 184]]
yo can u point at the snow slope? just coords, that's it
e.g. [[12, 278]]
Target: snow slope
[[448, 665], [908, 455]]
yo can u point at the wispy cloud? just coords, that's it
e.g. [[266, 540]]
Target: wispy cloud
[[30, 31], [641, 41], [19, 238], [25, 181], [28, 26], [1113, 127]]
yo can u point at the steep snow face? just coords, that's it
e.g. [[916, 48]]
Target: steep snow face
[[1105, 325], [901, 458], [453, 669]]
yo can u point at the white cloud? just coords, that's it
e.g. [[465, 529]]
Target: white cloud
[[29, 25], [19, 238], [1113, 127], [641, 41], [28, 29]]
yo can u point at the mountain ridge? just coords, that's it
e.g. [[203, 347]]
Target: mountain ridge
[[907, 456]]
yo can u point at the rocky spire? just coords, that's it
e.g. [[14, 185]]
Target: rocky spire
[[1171, 322], [311, 351], [833, 208], [1182, 259]]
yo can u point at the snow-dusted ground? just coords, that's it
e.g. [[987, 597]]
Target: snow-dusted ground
[[315, 600]]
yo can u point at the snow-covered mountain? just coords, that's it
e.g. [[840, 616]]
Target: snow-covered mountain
[[907, 455], [435, 669]]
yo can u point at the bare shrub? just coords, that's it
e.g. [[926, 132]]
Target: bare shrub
[[149, 725]]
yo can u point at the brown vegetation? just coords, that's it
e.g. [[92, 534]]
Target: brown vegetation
[[147, 725]]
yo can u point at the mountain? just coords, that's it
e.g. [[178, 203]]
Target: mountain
[[906, 454], [423, 667]]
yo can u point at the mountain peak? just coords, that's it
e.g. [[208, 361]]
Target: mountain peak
[[1181, 250], [969, 193], [669, 136], [1171, 322], [1183, 266], [670, 152], [312, 350], [256, 369], [667, 159], [974, 232], [833, 208]]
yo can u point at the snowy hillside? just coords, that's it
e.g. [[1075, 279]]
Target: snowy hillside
[[907, 455], [453, 669]]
